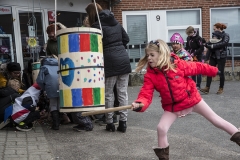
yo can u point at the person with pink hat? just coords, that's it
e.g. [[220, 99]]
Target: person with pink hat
[[177, 46]]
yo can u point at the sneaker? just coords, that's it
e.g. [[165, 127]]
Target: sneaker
[[80, 128], [23, 127]]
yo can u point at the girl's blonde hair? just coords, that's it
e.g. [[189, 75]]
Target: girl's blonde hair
[[163, 50]]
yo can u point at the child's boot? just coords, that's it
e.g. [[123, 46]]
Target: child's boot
[[110, 127], [162, 153], [220, 91], [236, 137], [55, 118], [205, 90], [122, 126]]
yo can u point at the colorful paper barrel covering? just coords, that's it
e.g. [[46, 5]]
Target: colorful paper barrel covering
[[35, 70], [81, 72]]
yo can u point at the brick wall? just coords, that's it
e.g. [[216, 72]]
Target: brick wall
[[205, 5]]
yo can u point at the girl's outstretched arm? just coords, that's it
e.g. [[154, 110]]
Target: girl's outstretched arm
[[195, 68], [146, 93]]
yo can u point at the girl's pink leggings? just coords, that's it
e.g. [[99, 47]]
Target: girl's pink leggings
[[201, 108]]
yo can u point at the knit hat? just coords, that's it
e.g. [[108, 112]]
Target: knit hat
[[13, 66], [217, 34], [177, 38]]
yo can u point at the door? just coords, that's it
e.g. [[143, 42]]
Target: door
[[30, 33], [136, 25]]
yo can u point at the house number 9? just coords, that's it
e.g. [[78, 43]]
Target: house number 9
[[158, 18]]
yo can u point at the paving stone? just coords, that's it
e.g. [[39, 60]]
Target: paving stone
[[32, 139], [21, 143], [10, 152], [42, 139], [7, 157], [22, 151], [32, 147], [35, 157], [47, 157]]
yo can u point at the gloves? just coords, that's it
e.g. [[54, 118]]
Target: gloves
[[219, 72]]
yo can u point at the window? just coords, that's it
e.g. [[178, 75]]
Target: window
[[7, 45], [137, 32], [184, 17], [70, 19], [230, 17], [178, 21]]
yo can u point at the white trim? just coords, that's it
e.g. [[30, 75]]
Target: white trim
[[17, 33], [145, 13], [210, 15]]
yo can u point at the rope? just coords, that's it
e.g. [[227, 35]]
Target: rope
[[98, 17]]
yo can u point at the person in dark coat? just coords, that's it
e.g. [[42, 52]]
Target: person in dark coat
[[215, 60], [116, 61], [195, 47]]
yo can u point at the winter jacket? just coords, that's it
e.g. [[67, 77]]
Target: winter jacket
[[115, 39], [183, 54], [4, 81], [48, 78], [194, 45], [220, 46], [177, 90]]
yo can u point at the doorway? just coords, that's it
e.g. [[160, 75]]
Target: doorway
[[30, 33]]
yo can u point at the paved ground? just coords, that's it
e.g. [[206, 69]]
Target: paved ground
[[190, 138]]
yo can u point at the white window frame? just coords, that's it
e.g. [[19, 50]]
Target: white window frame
[[17, 34], [185, 27], [137, 13], [210, 11]]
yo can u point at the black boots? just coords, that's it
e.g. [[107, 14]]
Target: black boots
[[236, 138], [162, 153], [122, 126], [55, 118], [110, 127]]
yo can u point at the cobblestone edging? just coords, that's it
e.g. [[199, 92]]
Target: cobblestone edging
[[17, 145]]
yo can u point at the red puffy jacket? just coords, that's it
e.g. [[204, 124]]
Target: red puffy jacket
[[177, 90]]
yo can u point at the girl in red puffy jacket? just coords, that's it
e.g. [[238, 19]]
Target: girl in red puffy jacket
[[179, 96]]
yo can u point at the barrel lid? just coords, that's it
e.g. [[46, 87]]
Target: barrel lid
[[78, 30]]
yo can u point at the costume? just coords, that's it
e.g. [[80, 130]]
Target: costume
[[181, 53], [177, 90], [184, 55]]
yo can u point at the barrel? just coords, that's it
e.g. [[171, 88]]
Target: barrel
[[81, 69], [35, 70]]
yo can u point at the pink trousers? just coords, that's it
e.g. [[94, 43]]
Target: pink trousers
[[201, 108]]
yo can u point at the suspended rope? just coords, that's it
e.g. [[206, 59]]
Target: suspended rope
[[98, 18], [33, 21]]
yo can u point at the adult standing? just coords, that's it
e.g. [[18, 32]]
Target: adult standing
[[215, 60], [116, 61], [195, 47]]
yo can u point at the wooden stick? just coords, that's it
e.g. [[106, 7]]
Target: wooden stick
[[108, 110]]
